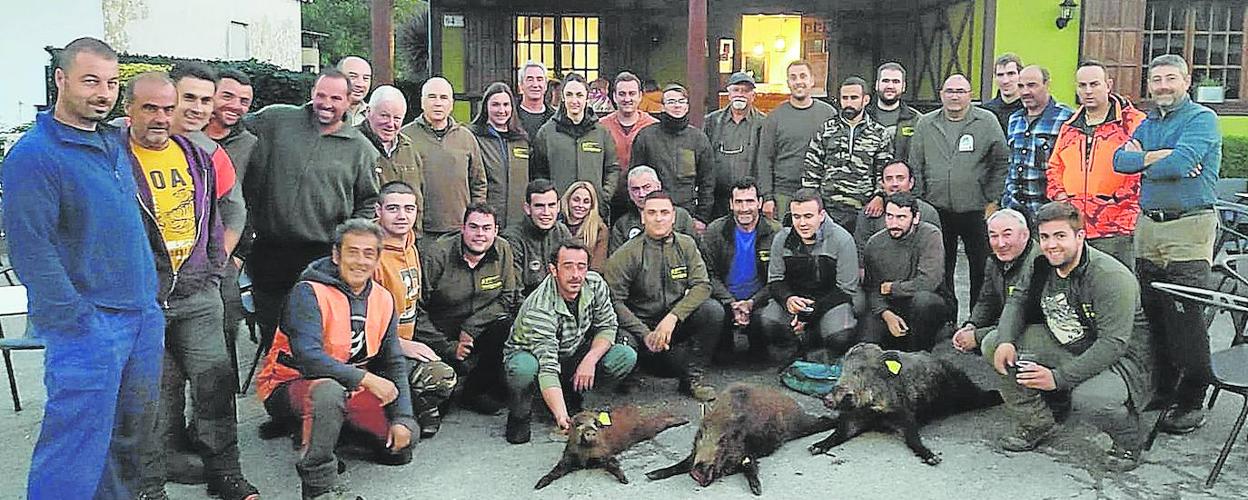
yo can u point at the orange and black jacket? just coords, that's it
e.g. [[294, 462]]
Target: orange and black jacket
[[1081, 167]]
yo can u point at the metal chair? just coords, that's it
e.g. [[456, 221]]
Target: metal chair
[[13, 303], [1230, 366], [249, 317], [1233, 228]]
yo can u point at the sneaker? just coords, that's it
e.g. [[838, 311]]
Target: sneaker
[[184, 468], [430, 422], [232, 487], [152, 493], [627, 385], [695, 388], [519, 429], [1027, 438], [335, 492], [1120, 459], [1183, 420], [481, 403]]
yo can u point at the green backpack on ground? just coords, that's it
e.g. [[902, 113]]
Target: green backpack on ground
[[811, 379]]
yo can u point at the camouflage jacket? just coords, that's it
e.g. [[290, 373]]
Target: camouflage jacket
[[844, 161]]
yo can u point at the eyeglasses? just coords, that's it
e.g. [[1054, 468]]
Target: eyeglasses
[[956, 91], [675, 102]]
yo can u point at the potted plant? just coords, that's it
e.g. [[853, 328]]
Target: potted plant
[[1210, 91]]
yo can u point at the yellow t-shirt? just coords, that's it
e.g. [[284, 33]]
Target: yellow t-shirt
[[173, 193]]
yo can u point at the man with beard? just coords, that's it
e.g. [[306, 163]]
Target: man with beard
[[662, 296], [845, 157], [1077, 327], [77, 242], [1005, 73], [455, 177], [565, 341], [641, 182], [1178, 152], [895, 178], [1031, 135], [887, 108], [360, 77], [1014, 253], [1081, 167], [734, 132], [737, 250], [230, 103], [573, 146], [471, 291], [309, 173], [785, 139], [398, 160], [624, 124], [904, 280], [176, 181], [533, 110], [682, 156], [535, 237]]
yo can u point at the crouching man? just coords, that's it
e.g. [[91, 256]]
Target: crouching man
[[563, 341], [336, 359], [1076, 325]]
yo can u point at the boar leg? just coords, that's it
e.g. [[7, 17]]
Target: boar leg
[[749, 468], [681, 467], [561, 469], [612, 466], [846, 428], [910, 432]]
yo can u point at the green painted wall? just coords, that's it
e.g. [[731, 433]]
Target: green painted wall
[[453, 69], [1234, 126], [1027, 28]]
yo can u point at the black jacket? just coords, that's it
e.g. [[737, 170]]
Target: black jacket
[[718, 249], [826, 271]]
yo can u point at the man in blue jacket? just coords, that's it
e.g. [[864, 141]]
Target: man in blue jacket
[[1178, 152], [77, 242]]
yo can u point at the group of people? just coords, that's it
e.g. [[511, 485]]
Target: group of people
[[544, 251]]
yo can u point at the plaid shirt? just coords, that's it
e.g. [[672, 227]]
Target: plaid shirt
[[1030, 145]]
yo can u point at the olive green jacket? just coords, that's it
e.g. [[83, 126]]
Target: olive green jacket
[[651, 278], [457, 298], [402, 164], [454, 173]]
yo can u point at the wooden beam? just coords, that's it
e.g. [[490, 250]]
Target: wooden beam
[[383, 42], [695, 62]]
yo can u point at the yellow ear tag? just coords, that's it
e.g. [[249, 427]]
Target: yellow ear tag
[[894, 367], [604, 418]]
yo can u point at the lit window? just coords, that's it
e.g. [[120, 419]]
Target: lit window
[[562, 43]]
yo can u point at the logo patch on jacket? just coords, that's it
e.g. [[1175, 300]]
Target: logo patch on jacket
[[520, 153], [491, 283], [907, 131], [679, 273], [764, 255], [535, 265], [591, 147]]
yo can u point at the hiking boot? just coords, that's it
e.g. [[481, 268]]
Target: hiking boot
[[519, 429], [152, 493], [1121, 459], [386, 456], [573, 401], [626, 385], [481, 403], [430, 422], [695, 388], [1183, 420], [184, 468], [276, 428], [335, 492], [232, 487], [1027, 438]]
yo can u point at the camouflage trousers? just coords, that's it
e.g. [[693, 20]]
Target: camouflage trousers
[[431, 383]]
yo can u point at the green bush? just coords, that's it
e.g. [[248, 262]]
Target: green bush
[[272, 84], [1234, 157]]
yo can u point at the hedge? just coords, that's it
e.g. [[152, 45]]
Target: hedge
[[1234, 157]]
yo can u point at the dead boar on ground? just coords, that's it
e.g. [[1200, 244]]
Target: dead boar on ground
[[597, 437], [747, 422], [892, 390]]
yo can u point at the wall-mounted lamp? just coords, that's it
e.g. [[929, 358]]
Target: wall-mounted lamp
[[1066, 12], [779, 44], [759, 50]]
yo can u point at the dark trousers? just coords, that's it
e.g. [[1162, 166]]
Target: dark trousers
[[691, 346], [195, 351], [1182, 341], [103, 383], [925, 313], [844, 215], [322, 406], [970, 227], [482, 371], [274, 268]]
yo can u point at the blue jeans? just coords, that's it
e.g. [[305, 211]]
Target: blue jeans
[[103, 384]]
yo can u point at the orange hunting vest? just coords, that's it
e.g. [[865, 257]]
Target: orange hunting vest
[[335, 330]]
